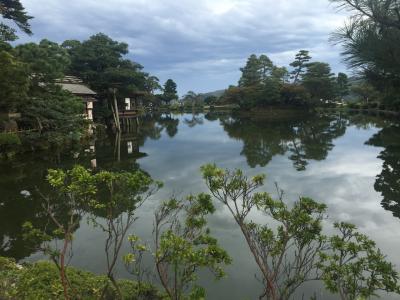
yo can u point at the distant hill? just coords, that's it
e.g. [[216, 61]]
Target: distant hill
[[217, 93]]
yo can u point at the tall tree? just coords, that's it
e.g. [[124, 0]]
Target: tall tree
[[266, 66], [91, 58], [15, 11], [280, 73], [170, 92], [14, 82], [100, 62], [319, 81], [46, 61], [371, 43], [342, 85], [251, 74], [300, 65], [152, 84], [56, 114]]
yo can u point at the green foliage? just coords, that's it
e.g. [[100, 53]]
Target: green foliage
[[271, 92], [298, 230], [152, 84], [365, 92], [123, 191], [9, 144], [319, 81], [78, 192], [370, 41], [28, 75], [354, 268], [342, 85], [46, 61], [294, 94], [292, 250], [211, 100], [184, 245], [100, 62], [252, 71], [7, 34], [40, 281], [300, 65], [90, 59], [13, 82], [13, 10], [170, 92], [264, 84], [9, 139]]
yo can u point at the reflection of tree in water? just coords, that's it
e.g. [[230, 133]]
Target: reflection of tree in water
[[120, 151], [217, 115], [169, 123], [28, 172], [388, 181], [195, 120], [367, 120], [303, 138], [314, 139], [15, 209]]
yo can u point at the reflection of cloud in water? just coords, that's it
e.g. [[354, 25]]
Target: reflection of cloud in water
[[344, 180]]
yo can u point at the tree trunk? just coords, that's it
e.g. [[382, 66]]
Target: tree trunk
[[62, 269], [115, 112]]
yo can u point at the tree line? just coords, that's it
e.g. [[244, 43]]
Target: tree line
[[309, 83], [51, 116]]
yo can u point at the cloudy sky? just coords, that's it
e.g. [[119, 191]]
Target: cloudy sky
[[201, 44]]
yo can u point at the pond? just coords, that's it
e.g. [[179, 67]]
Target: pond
[[350, 162]]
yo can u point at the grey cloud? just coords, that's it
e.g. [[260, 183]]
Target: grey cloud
[[201, 44]]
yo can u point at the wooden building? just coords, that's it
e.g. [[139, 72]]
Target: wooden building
[[132, 105], [76, 86]]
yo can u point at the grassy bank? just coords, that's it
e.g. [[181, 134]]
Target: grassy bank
[[41, 280]]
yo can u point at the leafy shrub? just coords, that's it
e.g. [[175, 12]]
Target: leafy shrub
[[41, 281], [9, 139], [9, 143]]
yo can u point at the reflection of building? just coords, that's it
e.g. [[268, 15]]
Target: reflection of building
[[76, 86]]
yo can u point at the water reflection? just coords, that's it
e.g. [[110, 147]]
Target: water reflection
[[120, 151], [388, 181], [27, 174], [194, 120], [16, 208], [304, 138], [327, 149]]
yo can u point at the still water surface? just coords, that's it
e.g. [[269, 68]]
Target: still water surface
[[349, 162]]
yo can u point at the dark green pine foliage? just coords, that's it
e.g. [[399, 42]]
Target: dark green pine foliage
[[300, 65], [13, 10], [371, 43], [251, 74], [170, 92], [319, 81]]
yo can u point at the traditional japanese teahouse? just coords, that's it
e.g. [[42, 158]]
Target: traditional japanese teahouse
[[76, 86], [133, 104]]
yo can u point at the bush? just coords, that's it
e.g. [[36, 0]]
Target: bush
[[9, 143], [41, 281], [9, 139]]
